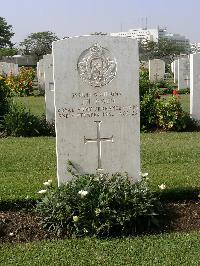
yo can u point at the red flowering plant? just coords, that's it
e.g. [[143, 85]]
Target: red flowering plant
[[22, 84]]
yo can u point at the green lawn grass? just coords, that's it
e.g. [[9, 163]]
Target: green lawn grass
[[170, 158], [185, 101], [163, 250], [35, 104], [25, 163]]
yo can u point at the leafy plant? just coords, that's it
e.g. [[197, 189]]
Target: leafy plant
[[22, 84], [4, 98], [170, 114], [99, 205], [20, 122]]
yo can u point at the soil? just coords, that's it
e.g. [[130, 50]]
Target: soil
[[17, 227]]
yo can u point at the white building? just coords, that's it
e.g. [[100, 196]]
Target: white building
[[139, 34], [153, 35]]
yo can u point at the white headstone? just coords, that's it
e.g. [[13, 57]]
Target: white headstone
[[97, 105], [49, 87], [195, 86], [156, 70], [183, 73], [40, 74], [175, 71]]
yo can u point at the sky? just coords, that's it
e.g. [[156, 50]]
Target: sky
[[80, 17]]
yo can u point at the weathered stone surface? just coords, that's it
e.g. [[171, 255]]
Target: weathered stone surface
[[195, 86], [40, 75], [49, 87], [156, 70], [175, 71], [183, 73], [97, 105]]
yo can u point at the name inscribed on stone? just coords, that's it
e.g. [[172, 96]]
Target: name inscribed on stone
[[97, 105]]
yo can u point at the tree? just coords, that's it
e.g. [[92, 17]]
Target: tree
[[5, 34], [165, 49], [38, 44]]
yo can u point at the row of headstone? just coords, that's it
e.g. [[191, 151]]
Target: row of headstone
[[181, 70], [156, 70], [7, 69], [94, 90], [46, 84], [195, 86]]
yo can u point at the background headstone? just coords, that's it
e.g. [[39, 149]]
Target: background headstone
[[97, 105], [49, 87], [40, 75], [195, 86], [156, 70], [183, 73], [175, 71]]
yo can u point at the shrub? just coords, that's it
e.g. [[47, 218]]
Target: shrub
[[148, 110], [99, 205], [4, 98], [170, 115], [22, 84], [20, 122]]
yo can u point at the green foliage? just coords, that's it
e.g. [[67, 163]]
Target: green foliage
[[99, 205], [170, 114], [165, 49], [22, 84], [5, 34], [157, 112], [7, 52], [4, 98], [38, 44], [20, 122]]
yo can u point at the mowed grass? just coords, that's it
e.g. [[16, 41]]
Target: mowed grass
[[169, 249], [25, 163], [185, 102], [36, 105], [169, 158]]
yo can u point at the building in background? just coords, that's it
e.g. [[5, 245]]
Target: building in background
[[144, 34], [20, 60]]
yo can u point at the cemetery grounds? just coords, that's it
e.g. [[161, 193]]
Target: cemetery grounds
[[170, 158]]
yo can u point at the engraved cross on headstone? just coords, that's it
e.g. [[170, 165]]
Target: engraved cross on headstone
[[98, 140], [156, 77]]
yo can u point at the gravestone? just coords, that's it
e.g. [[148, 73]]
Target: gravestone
[[49, 87], [195, 86], [7, 69], [97, 105], [183, 73], [40, 75], [175, 63], [156, 70]]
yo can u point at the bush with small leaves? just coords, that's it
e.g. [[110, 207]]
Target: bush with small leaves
[[99, 205], [20, 122]]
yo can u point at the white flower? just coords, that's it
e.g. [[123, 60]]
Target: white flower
[[11, 234], [162, 186], [97, 211], [48, 183], [83, 193], [75, 218], [144, 174], [43, 191]]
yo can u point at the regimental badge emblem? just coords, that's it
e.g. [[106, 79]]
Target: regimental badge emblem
[[97, 66]]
